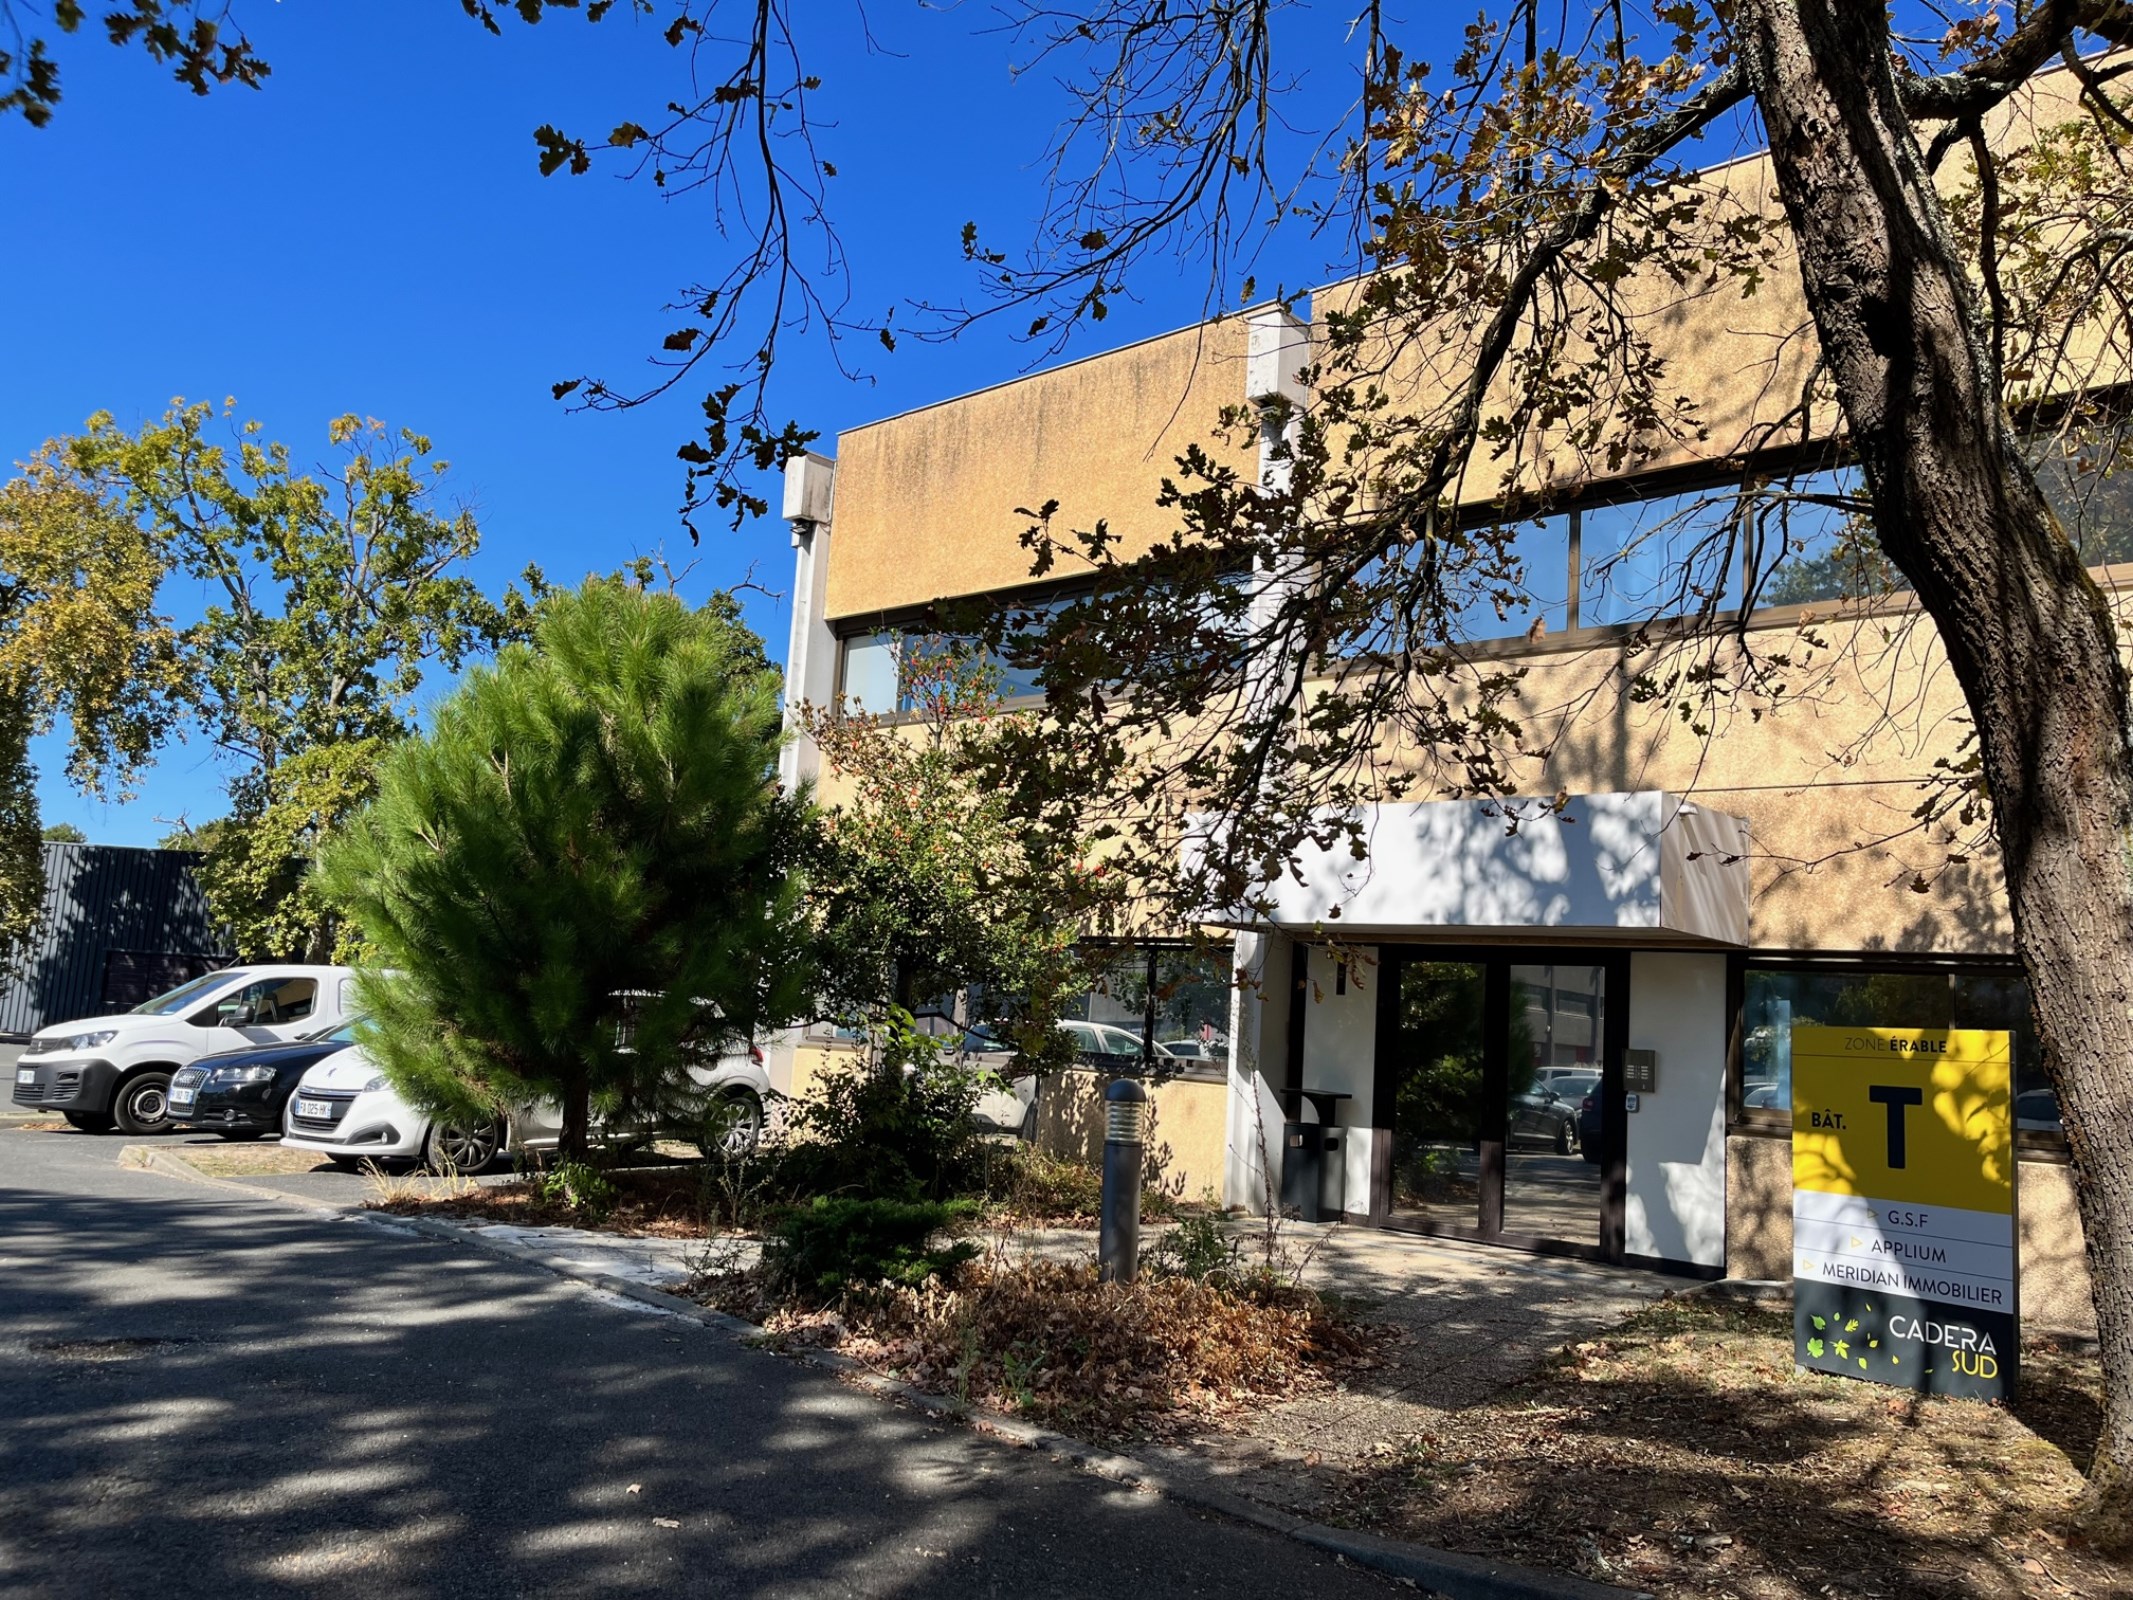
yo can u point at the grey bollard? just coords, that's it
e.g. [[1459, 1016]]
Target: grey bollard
[[1125, 1121]]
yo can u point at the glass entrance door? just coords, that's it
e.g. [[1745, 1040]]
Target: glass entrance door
[[1440, 1121], [1496, 1075], [1551, 1180]]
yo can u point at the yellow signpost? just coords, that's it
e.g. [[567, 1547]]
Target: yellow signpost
[[1903, 1210]]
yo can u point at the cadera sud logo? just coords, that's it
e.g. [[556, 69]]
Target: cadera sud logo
[[1971, 1349]]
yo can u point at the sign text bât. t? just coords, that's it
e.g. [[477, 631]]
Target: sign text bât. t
[[1903, 1233]]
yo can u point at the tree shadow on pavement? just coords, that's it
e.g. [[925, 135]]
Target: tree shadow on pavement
[[202, 1396]]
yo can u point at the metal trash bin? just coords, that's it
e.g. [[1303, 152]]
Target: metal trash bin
[[1308, 1150]]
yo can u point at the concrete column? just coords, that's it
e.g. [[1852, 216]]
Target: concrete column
[[811, 652], [1278, 348], [810, 663]]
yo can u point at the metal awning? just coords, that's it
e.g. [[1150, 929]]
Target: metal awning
[[1611, 868]]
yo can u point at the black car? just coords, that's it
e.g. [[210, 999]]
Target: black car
[[1542, 1116], [241, 1094]]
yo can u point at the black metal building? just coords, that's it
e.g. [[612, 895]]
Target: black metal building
[[118, 926]]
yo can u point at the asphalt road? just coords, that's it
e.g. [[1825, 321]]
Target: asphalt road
[[225, 1397]]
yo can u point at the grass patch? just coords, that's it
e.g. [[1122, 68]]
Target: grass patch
[[1682, 1453]]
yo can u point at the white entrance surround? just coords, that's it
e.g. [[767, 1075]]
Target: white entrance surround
[[1341, 1053], [1258, 1034], [1676, 1204], [1643, 864], [1340, 1033]]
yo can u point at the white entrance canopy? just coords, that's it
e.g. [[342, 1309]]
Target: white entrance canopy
[[1609, 867]]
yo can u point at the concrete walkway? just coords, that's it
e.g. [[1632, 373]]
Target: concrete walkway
[[1471, 1319]]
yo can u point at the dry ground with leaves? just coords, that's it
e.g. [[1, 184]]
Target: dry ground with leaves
[[1682, 1454], [650, 1203], [1107, 1361], [693, 1200]]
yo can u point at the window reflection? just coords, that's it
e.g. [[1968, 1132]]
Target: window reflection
[[1809, 550], [1673, 555], [889, 670], [1775, 1002], [1516, 582], [870, 674], [2090, 490]]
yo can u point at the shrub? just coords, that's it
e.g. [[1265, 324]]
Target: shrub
[[901, 1132], [1198, 1248], [582, 1189], [1033, 1185], [823, 1249]]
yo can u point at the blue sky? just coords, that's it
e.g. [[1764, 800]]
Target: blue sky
[[368, 233]]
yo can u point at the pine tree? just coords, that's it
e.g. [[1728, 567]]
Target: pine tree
[[590, 832]]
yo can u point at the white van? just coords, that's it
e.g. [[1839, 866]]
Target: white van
[[106, 1072]]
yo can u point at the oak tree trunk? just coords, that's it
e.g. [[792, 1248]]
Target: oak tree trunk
[[2028, 633]]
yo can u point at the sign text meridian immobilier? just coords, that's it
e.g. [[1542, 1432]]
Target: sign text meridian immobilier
[[1903, 1227]]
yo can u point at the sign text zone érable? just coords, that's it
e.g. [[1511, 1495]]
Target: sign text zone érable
[[1903, 1222]]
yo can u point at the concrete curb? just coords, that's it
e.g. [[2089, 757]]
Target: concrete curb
[[147, 1158], [1449, 1573]]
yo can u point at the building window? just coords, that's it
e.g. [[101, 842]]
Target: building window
[[2090, 491], [869, 682], [1806, 547], [1775, 999], [1677, 553], [1670, 555], [1158, 1008], [886, 672]]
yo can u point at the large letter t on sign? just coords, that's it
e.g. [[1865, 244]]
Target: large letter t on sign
[[1895, 1098]]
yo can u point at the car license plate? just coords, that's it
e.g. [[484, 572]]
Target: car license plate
[[181, 1099], [25, 1074], [320, 1109]]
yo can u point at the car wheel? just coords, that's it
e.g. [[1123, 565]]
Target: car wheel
[[144, 1104], [88, 1121], [734, 1127], [1566, 1139], [468, 1149]]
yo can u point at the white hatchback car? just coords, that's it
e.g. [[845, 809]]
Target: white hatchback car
[[346, 1111]]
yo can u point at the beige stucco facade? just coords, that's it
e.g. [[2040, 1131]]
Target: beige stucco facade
[[1824, 761], [1185, 1137], [932, 504]]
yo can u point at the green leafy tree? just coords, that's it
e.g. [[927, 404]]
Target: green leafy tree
[[924, 886], [64, 833], [21, 851], [591, 829], [81, 643], [327, 599]]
